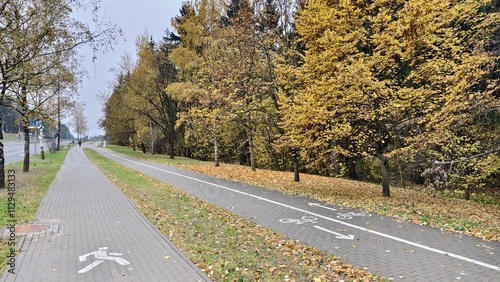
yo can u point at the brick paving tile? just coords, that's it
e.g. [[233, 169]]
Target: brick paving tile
[[95, 234]]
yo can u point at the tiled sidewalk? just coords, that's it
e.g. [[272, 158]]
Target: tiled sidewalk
[[88, 230]]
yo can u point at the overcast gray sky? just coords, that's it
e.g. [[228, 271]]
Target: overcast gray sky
[[133, 17]]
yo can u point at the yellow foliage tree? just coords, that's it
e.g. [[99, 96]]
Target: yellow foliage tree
[[386, 77]]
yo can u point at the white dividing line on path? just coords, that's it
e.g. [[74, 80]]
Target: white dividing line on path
[[339, 235], [321, 206], [490, 266]]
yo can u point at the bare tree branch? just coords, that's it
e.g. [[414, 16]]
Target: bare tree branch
[[469, 158]]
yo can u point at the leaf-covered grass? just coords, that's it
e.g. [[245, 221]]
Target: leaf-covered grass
[[30, 189], [451, 214], [225, 246]]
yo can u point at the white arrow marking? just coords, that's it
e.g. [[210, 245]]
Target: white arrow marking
[[339, 235], [318, 205]]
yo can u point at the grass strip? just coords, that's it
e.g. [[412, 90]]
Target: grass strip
[[29, 190], [225, 246], [10, 137], [455, 215]]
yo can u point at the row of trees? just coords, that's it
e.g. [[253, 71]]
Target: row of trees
[[12, 124], [39, 64], [338, 88]]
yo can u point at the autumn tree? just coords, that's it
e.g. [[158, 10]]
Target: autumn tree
[[393, 76], [289, 53], [235, 54], [58, 105], [343, 111], [119, 120], [241, 66], [147, 90], [196, 26], [39, 42], [79, 120], [452, 86], [63, 105]]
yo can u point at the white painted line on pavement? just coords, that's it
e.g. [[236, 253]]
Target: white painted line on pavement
[[321, 206], [339, 235], [494, 267]]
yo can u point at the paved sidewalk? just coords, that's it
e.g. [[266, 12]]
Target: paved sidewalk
[[399, 251], [88, 230]]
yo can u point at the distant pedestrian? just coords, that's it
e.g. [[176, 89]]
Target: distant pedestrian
[[19, 137], [80, 143]]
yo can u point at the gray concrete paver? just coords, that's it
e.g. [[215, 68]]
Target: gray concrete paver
[[86, 212], [400, 251]]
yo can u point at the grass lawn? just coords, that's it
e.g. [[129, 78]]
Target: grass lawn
[[456, 215], [10, 137], [225, 246], [29, 190]]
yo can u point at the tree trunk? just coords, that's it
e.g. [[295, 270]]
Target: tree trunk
[[171, 149], [295, 160], [296, 176], [243, 150], [172, 114], [26, 163], [2, 159], [152, 138], [334, 158], [40, 135], [58, 134], [386, 192], [171, 144], [352, 168], [42, 152], [401, 177], [216, 150], [2, 155], [251, 147], [467, 193], [24, 107]]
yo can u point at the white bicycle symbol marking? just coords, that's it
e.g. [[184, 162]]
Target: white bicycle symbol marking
[[304, 219], [351, 215]]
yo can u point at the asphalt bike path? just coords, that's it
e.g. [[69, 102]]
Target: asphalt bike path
[[399, 251], [88, 230]]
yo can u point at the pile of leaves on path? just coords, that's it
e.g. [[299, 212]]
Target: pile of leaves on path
[[454, 215], [225, 246]]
